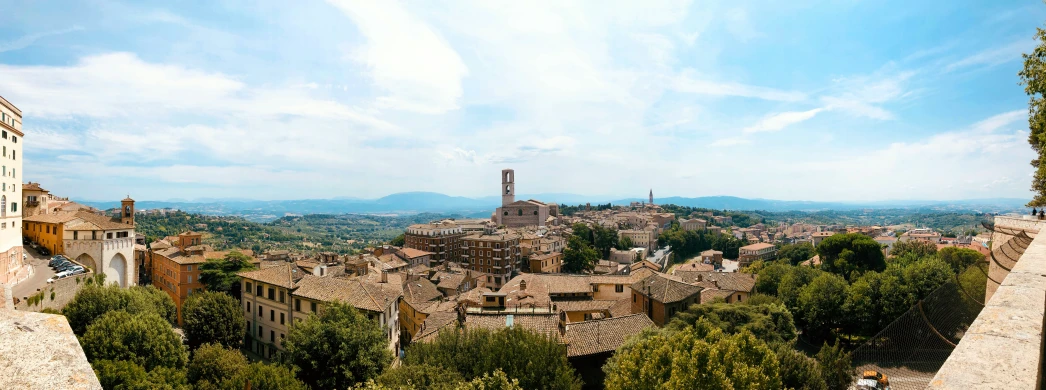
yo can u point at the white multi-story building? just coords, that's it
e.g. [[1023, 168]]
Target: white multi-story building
[[13, 267]]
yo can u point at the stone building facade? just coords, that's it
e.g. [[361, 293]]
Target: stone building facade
[[441, 239], [13, 267], [521, 213], [495, 252]]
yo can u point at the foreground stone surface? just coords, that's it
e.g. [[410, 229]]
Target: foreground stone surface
[[1003, 347], [40, 351]]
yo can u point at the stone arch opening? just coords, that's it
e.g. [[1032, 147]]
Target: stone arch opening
[[116, 270], [87, 261]]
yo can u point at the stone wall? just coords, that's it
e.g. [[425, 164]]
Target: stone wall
[[64, 291], [1003, 349]]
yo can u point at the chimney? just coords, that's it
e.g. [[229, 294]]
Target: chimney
[[523, 285], [384, 276]]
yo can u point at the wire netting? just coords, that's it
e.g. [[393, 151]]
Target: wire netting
[[911, 349]]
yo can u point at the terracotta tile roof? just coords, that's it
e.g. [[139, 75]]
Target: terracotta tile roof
[[420, 290], [759, 246], [665, 288], [733, 281], [708, 294], [621, 308], [62, 217], [412, 253], [33, 187], [356, 292], [584, 305], [281, 275], [473, 297], [695, 266], [644, 264], [598, 336], [543, 323], [448, 280], [433, 324]]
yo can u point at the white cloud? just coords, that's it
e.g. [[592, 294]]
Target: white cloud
[[864, 95], [993, 56], [405, 57], [779, 121], [687, 83], [1001, 120], [26, 40]]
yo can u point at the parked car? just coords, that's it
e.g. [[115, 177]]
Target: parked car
[[44, 251], [58, 262], [66, 267], [58, 276]]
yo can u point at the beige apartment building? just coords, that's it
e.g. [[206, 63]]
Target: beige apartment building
[[441, 239], [493, 252], [275, 298], [13, 267], [751, 253]]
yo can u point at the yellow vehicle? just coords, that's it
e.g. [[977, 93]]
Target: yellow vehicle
[[873, 380]]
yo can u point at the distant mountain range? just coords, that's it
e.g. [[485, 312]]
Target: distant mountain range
[[419, 202]]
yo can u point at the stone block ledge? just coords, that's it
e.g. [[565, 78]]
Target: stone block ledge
[[1003, 348]]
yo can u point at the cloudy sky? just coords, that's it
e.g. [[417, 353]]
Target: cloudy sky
[[798, 100]]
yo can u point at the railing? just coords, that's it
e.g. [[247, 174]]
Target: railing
[[1003, 348]]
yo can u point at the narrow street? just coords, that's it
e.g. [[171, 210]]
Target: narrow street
[[41, 272]]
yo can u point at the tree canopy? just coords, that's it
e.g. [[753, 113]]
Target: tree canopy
[[537, 361], [844, 254], [1033, 77], [220, 274], [94, 300], [796, 253], [213, 317], [771, 323], [578, 256], [338, 348], [145, 339], [699, 356]]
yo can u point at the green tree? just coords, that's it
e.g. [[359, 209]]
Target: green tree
[[770, 277], [960, 258], [578, 256], [625, 243], [792, 284], [699, 356], [113, 373], [491, 381], [770, 323], [836, 367], [213, 317], [537, 361], [916, 248], [337, 349], [605, 239], [821, 303], [144, 339], [1033, 77], [94, 300], [263, 376], [214, 364], [582, 231], [844, 254], [220, 274], [796, 253], [799, 371], [400, 240], [421, 376]]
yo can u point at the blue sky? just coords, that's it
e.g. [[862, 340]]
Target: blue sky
[[799, 100]]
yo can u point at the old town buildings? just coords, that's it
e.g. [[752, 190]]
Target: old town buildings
[[105, 244], [495, 252], [522, 213], [761, 251]]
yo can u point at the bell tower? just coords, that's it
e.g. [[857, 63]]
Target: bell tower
[[508, 187], [127, 210], [651, 196]]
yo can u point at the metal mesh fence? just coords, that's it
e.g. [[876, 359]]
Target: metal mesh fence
[[911, 349]]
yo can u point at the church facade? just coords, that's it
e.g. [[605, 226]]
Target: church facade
[[513, 213]]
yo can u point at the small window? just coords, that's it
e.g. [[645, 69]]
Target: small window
[[259, 291], [272, 294], [5, 134], [272, 315], [619, 288], [535, 212], [248, 307], [281, 296], [248, 289], [281, 318], [313, 306], [272, 336], [14, 139], [108, 236], [297, 304], [520, 212]]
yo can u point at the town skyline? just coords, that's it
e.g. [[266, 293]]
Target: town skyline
[[879, 101]]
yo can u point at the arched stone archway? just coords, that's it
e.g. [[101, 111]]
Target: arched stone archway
[[116, 270], [87, 261]]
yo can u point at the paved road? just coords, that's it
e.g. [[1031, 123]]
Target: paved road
[[41, 272]]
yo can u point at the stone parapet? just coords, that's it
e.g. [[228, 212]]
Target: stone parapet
[[1003, 348]]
